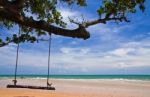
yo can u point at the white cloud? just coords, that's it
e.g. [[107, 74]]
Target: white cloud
[[74, 43], [68, 13], [77, 16], [73, 51], [80, 59], [132, 54], [121, 52], [26, 57], [107, 32]]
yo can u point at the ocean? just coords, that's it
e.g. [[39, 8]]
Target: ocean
[[119, 77]]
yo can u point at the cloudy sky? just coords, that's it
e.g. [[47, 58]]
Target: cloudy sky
[[113, 48]]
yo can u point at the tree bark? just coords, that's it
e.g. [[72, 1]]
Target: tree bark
[[9, 13]]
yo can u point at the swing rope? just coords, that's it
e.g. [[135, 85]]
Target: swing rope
[[49, 60], [16, 66]]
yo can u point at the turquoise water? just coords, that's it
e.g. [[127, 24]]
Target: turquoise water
[[129, 77]]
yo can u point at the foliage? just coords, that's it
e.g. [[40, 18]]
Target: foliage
[[117, 8], [46, 11]]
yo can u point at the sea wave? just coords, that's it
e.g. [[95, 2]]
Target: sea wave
[[80, 78], [93, 80]]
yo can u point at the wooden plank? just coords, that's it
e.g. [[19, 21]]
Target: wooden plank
[[30, 87]]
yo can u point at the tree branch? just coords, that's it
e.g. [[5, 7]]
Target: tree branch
[[9, 11], [18, 5], [107, 18], [90, 23], [9, 14]]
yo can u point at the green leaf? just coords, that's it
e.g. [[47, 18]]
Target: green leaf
[[100, 11], [1, 40], [142, 7]]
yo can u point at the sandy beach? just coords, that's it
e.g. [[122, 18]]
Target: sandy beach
[[78, 88]]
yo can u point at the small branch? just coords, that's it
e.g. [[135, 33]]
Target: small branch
[[2, 44], [90, 23], [73, 21]]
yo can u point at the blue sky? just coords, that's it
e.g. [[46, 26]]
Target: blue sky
[[122, 48]]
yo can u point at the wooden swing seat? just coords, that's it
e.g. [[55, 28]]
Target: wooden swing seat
[[30, 87]]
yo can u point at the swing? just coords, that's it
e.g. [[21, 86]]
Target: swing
[[49, 85]]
